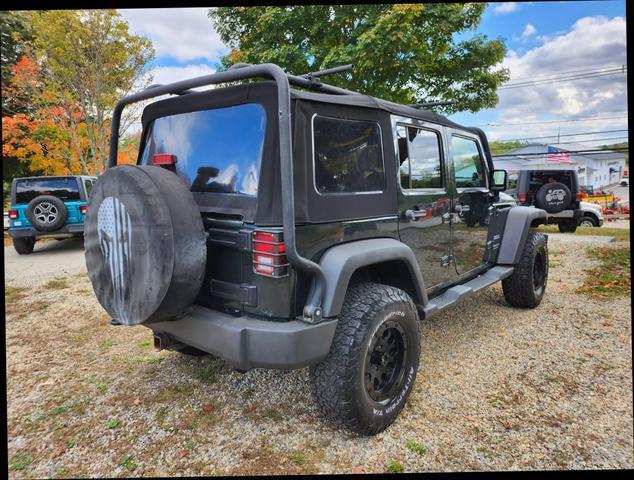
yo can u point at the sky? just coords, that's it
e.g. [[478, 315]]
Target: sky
[[543, 40]]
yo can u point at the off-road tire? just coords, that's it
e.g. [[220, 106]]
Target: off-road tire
[[338, 381], [567, 227], [24, 245], [58, 207], [520, 289]]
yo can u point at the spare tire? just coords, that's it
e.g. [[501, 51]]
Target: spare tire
[[144, 244], [46, 213], [553, 197]]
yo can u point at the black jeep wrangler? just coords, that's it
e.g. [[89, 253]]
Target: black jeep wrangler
[[314, 226], [554, 189]]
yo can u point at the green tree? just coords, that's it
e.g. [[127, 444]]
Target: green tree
[[90, 59], [404, 53], [15, 37]]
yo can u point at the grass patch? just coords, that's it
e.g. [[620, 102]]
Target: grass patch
[[57, 283], [113, 423], [297, 457], [487, 452], [14, 293], [127, 462], [161, 414], [20, 460], [209, 373], [416, 447], [619, 234], [106, 344], [611, 278], [395, 467], [145, 343]]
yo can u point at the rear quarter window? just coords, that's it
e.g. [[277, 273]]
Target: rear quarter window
[[348, 156], [63, 188]]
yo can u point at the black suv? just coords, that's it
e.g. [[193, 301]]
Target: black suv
[[554, 189], [314, 226]]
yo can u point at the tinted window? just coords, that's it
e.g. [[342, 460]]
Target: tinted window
[[64, 188], [216, 150], [419, 154], [467, 163], [348, 156], [88, 185]]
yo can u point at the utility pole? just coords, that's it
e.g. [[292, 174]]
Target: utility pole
[[558, 132]]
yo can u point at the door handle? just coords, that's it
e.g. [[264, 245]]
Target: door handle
[[414, 215]]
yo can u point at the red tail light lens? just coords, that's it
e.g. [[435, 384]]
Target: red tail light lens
[[268, 254], [164, 159], [13, 214], [521, 197], [82, 209], [578, 197]]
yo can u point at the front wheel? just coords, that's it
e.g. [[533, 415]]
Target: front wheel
[[588, 222], [24, 245], [371, 368], [526, 286]]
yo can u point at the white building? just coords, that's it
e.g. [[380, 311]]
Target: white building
[[598, 168]]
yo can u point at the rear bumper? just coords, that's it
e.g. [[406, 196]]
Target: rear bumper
[[566, 215], [247, 342], [70, 228]]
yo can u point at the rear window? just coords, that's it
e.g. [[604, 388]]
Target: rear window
[[348, 156], [63, 188], [217, 151], [537, 179]]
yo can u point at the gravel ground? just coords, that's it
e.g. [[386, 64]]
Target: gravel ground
[[498, 389]]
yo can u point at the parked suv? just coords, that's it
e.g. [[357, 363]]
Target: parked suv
[[555, 190], [283, 228], [47, 207]]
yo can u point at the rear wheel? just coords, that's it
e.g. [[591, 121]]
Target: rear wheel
[[526, 287], [369, 373], [24, 245], [567, 227]]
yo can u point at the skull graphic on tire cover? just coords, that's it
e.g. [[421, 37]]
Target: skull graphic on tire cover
[[115, 238]]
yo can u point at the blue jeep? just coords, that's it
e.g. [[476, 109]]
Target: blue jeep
[[52, 207]]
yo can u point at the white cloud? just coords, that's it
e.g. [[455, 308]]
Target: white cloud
[[179, 33], [175, 74], [528, 30], [592, 43], [506, 7]]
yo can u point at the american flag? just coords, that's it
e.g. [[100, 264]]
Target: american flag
[[555, 155]]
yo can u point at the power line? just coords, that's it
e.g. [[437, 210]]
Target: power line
[[565, 77], [587, 70], [624, 115], [562, 135], [572, 152], [556, 80]]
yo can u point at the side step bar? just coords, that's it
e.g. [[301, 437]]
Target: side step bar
[[460, 292]]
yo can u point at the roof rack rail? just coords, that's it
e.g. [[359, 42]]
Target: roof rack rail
[[182, 92], [311, 80], [433, 104]]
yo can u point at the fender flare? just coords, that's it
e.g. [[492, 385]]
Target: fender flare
[[518, 221], [341, 261]]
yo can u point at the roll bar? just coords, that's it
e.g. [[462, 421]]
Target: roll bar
[[312, 311]]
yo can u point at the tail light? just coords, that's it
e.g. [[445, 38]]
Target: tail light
[[578, 197], [164, 159], [82, 209], [13, 214], [521, 197], [269, 256]]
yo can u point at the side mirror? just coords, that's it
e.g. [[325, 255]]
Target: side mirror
[[499, 180]]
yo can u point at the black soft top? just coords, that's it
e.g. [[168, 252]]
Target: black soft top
[[366, 101]]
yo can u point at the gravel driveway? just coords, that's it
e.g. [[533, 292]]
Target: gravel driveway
[[498, 389]]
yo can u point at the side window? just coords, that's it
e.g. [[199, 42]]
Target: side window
[[88, 186], [348, 156], [467, 163], [419, 156]]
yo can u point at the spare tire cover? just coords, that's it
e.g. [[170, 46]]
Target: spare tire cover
[[553, 197], [144, 244]]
